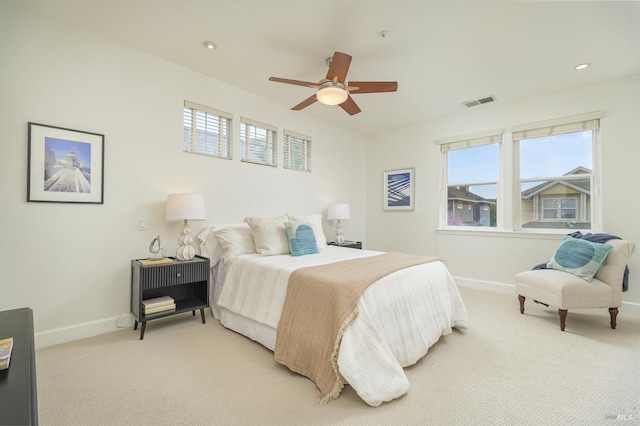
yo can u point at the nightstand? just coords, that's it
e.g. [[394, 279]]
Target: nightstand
[[348, 244], [185, 281]]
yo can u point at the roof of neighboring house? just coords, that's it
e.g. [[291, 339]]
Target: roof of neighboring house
[[464, 195], [580, 185]]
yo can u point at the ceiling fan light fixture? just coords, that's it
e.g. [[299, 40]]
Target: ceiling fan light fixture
[[332, 95]]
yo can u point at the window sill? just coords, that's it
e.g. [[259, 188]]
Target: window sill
[[473, 232]]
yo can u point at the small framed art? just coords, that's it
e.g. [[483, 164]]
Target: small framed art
[[399, 191], [65, 165]]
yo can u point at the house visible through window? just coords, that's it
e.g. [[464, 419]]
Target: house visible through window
[[258, 142], [206, 131], [297, 151]]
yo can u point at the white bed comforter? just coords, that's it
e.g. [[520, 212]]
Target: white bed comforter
[[400, 316]]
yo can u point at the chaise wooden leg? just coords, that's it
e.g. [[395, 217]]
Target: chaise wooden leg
[[563, 317], [521, 300], [614, 314]]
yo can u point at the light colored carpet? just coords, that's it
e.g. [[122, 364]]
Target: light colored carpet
[[505, 369]]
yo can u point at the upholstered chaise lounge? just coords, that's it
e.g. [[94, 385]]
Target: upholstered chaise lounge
[[569, 291]]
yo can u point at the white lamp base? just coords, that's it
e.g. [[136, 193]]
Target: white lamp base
[[185, 250], [338, 238]]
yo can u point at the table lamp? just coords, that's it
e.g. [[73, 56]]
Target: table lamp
[[185, 207], [338, 211]]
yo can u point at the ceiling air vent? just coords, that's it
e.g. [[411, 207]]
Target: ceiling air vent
[[480, 101]]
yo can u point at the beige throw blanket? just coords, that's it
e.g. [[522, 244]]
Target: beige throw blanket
[[321, 303]]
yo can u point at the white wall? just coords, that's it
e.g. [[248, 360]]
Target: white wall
[[71, 262], [489, 259]]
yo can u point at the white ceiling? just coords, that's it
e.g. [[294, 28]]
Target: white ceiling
[[442, 53]]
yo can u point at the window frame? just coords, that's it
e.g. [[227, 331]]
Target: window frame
[[225, 131], [270, 143], [559, 126], [460, 142]]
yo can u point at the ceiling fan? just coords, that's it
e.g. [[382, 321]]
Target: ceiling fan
[[333, 89]]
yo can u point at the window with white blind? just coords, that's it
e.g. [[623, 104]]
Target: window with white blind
[[206, 131], [556, 172], [297, 151], [258, 142], [539, 177], [471, 170]]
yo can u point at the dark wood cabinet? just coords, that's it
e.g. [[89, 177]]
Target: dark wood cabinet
[[18, 391], [186, 281]]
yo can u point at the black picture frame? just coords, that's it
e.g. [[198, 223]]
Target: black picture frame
[[64, 165]]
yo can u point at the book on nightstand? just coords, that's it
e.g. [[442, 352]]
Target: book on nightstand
[[163, 308], [158, 304], [6, 345], [151, 262], [158, 301]]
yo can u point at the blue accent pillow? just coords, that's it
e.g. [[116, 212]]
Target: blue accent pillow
[[579, 257], [301, 238]]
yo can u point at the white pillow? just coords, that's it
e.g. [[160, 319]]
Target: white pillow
[[210, 244], [269, 234], [315, 221], [235, 240]]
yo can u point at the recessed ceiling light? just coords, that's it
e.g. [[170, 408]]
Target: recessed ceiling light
[[582, 66], [209, 45]]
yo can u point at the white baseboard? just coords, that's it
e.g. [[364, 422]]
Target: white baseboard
[[627, 307], [82, 331]]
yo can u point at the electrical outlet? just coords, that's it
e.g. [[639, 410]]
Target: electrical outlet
[[142, 224]]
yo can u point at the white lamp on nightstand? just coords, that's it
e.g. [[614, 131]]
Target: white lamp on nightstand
[[338, 211], [185, 207]]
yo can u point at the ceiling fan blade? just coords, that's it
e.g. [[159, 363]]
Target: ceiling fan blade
[[373, 86], [311, 99], [339, 67], [296, 82], [350, 106]]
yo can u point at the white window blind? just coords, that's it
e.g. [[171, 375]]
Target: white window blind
[[297, 151], [258, 142], [468, 141], [206, 131], [590, 121]]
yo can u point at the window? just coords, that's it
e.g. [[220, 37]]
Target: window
[[556, 174], [471, 168], [559, 208], [543, 179], [206, 131], [258, 142], [297, 151]]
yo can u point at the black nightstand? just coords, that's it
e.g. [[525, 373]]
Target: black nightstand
[[187, 282], [348, 244]]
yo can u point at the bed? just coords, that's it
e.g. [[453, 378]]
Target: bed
[[398, 317]]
